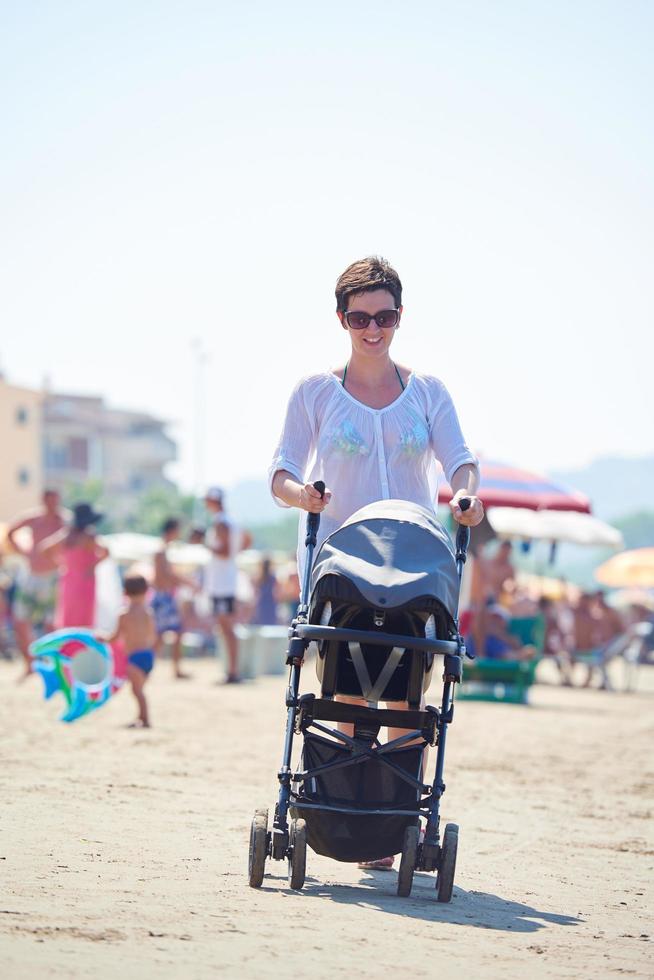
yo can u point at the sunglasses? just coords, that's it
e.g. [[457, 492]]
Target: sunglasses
[[359, 321]]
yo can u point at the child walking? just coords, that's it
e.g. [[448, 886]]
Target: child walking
[[136, 629]]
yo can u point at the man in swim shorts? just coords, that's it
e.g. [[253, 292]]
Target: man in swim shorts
[[36, 591], [136, 630]]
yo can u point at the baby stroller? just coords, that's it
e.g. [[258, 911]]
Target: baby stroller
[[381, 603]]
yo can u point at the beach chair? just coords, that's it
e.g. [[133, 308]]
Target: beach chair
[[506, 681]]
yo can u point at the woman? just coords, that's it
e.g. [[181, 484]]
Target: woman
[[373, 428], [266, 591], [77, 552]]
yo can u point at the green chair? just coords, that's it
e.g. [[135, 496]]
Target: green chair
[[530, 630], [506, 681]]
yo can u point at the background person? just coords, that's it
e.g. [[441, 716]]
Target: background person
[[136, 630], [498, 572], [36, 588], [555, 643], [76, 552], [221, 576], [266, 596], [609, 626], [192, 600], [585, 633], [499, 643], [165, 582], [288, 588]]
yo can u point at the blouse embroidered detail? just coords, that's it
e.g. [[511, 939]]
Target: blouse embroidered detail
[[365, 454]]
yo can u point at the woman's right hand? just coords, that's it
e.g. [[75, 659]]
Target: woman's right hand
[[311, 500]]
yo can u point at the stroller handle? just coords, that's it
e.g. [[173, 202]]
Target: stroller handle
[[313, 520], [463, 533], [310, 632]]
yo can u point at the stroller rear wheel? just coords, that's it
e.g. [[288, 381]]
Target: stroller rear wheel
[[297, 858], [447, 863], [408, 861], [258, 848]]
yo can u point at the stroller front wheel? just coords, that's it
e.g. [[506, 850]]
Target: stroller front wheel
[[297, 858], [258, 848], [408, 861], [447, 863]]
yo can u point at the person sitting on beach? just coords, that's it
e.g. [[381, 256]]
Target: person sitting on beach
[[167, 616], [136, 630], [499, 644]]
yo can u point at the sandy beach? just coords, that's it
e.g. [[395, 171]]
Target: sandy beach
[[123, 853]]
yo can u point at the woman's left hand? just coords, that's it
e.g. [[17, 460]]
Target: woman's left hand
[[473, 515]]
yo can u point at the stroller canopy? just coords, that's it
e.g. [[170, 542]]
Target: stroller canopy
[[392, 551]]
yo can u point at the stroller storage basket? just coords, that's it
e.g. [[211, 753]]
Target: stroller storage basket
[[367, 785]]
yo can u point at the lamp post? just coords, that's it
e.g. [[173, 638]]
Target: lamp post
[[200, 358]]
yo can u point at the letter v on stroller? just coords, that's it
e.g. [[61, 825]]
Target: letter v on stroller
[[381, 603]]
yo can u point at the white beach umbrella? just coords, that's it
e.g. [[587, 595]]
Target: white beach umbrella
[[554, 525], [188, 555], [127, 546]]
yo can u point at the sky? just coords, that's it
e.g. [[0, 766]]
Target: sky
[[181, 183]]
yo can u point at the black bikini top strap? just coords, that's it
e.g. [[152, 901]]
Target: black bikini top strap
[[399, 376]]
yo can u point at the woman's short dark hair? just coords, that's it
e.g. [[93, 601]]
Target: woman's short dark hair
[[364, 276], [170, 524]]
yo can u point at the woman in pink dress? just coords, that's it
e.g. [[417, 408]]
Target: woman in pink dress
[[77, 552]]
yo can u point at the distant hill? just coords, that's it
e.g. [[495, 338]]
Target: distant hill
[[249, 502], [616, 486]]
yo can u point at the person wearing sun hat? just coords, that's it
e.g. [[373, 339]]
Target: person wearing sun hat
[[76, 552]]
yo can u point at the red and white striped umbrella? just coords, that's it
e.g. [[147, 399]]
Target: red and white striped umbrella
[[509, 486]]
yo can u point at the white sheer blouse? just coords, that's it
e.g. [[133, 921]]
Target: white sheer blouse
[[365, 454]]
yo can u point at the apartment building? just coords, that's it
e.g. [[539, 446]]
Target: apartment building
[[21, 474], [84, 439]]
